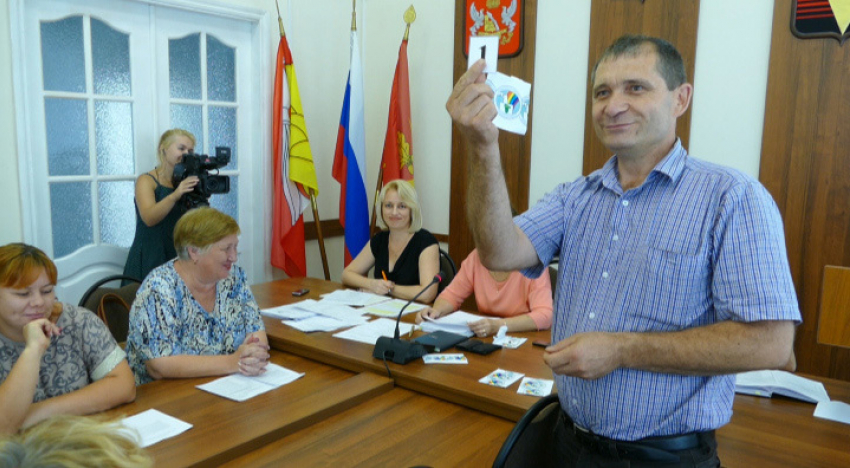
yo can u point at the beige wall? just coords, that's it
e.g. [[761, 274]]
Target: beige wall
[[731, 73]]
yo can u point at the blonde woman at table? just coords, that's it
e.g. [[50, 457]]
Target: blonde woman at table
[[196, 316], [56, 358], [522, 304], [405, 257]]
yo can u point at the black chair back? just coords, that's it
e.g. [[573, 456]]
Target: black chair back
[[447, 266], [531, 441]]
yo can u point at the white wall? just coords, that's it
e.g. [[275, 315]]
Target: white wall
[[728, 108]]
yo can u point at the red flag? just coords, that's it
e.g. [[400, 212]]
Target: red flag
[[397, 161], [294, 173]]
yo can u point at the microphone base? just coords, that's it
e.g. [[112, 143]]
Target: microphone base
[[397, 350]]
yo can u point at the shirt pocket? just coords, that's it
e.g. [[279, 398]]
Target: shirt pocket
[[677, 292]]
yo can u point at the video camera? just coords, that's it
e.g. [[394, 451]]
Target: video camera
[[199, 165]]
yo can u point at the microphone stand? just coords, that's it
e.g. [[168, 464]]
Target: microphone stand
[[398, 350]]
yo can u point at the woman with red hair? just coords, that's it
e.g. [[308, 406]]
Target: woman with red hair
[[55, 358]]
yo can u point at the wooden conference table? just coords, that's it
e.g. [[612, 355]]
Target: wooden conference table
[[763, 432]]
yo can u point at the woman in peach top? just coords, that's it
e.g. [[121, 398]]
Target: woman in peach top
[[520, 303]]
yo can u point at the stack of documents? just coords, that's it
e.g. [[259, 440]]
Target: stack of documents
[[353, 298], [310, 315], [455, 322], [152, 426]]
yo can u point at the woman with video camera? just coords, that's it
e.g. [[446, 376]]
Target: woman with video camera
[[157, 207]]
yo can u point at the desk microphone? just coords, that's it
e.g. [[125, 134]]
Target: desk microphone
[[398, 350]]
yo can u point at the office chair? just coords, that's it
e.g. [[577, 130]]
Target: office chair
[[447, 266], [530, 442], [112, 305]]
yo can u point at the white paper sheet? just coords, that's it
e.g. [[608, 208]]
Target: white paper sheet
[[239, 387], [834, 411], [153, 426], [370, 332]]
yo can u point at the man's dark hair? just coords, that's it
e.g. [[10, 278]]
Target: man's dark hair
[[670, 65]]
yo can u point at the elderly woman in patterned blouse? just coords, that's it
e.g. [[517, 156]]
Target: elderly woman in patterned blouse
[[195, 316], [55, 358]]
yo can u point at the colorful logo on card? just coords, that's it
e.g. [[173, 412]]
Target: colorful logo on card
[[508, 103]]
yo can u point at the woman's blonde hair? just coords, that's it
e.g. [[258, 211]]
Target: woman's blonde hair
[[168, 138], [73, 442], [201, 228], [408, 195]]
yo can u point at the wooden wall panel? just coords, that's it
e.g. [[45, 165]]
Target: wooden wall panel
[[515, 149], [805, 165], [672, 20]]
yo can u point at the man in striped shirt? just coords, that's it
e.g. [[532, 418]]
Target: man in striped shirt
[[673, 273]]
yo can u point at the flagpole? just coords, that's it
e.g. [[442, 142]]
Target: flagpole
[[319, 235], [409, 18]]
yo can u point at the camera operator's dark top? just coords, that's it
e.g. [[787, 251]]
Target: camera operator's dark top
[[153, 245], [406, 269]]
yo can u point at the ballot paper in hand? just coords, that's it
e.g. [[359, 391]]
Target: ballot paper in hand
[[512, 97], [456, 322]]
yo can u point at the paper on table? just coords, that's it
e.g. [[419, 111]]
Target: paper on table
[[322, 323], [535, 387], [392, 307], [239, 387], [153, 426], [370, 332], [354, 298], [290, 311], [455, 322], [834, 411], [335, 310]]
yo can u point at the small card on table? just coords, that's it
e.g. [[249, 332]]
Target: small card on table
[[445, 358], [535, 387], [501, 378]]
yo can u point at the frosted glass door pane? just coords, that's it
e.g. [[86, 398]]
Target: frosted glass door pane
[[113, 122], [189, 117], [71, 219], [184, 67], [67, 136], [117, 212], [228, 202], [221, 71], [62, 56], [223, 131], [110, 60]]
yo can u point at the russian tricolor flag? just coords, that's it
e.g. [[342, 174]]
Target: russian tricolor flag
[[350, 161]]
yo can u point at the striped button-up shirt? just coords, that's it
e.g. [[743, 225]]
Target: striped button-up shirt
[[695, 244]]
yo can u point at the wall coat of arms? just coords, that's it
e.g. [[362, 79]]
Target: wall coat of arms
[[502, 18]]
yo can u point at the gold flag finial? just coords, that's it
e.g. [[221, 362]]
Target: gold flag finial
[[279, 20], [409, 18], [354, 15]]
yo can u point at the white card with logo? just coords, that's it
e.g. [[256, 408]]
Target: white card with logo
[[501, 378], [453, 358], [512, 97], [535, 387]]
